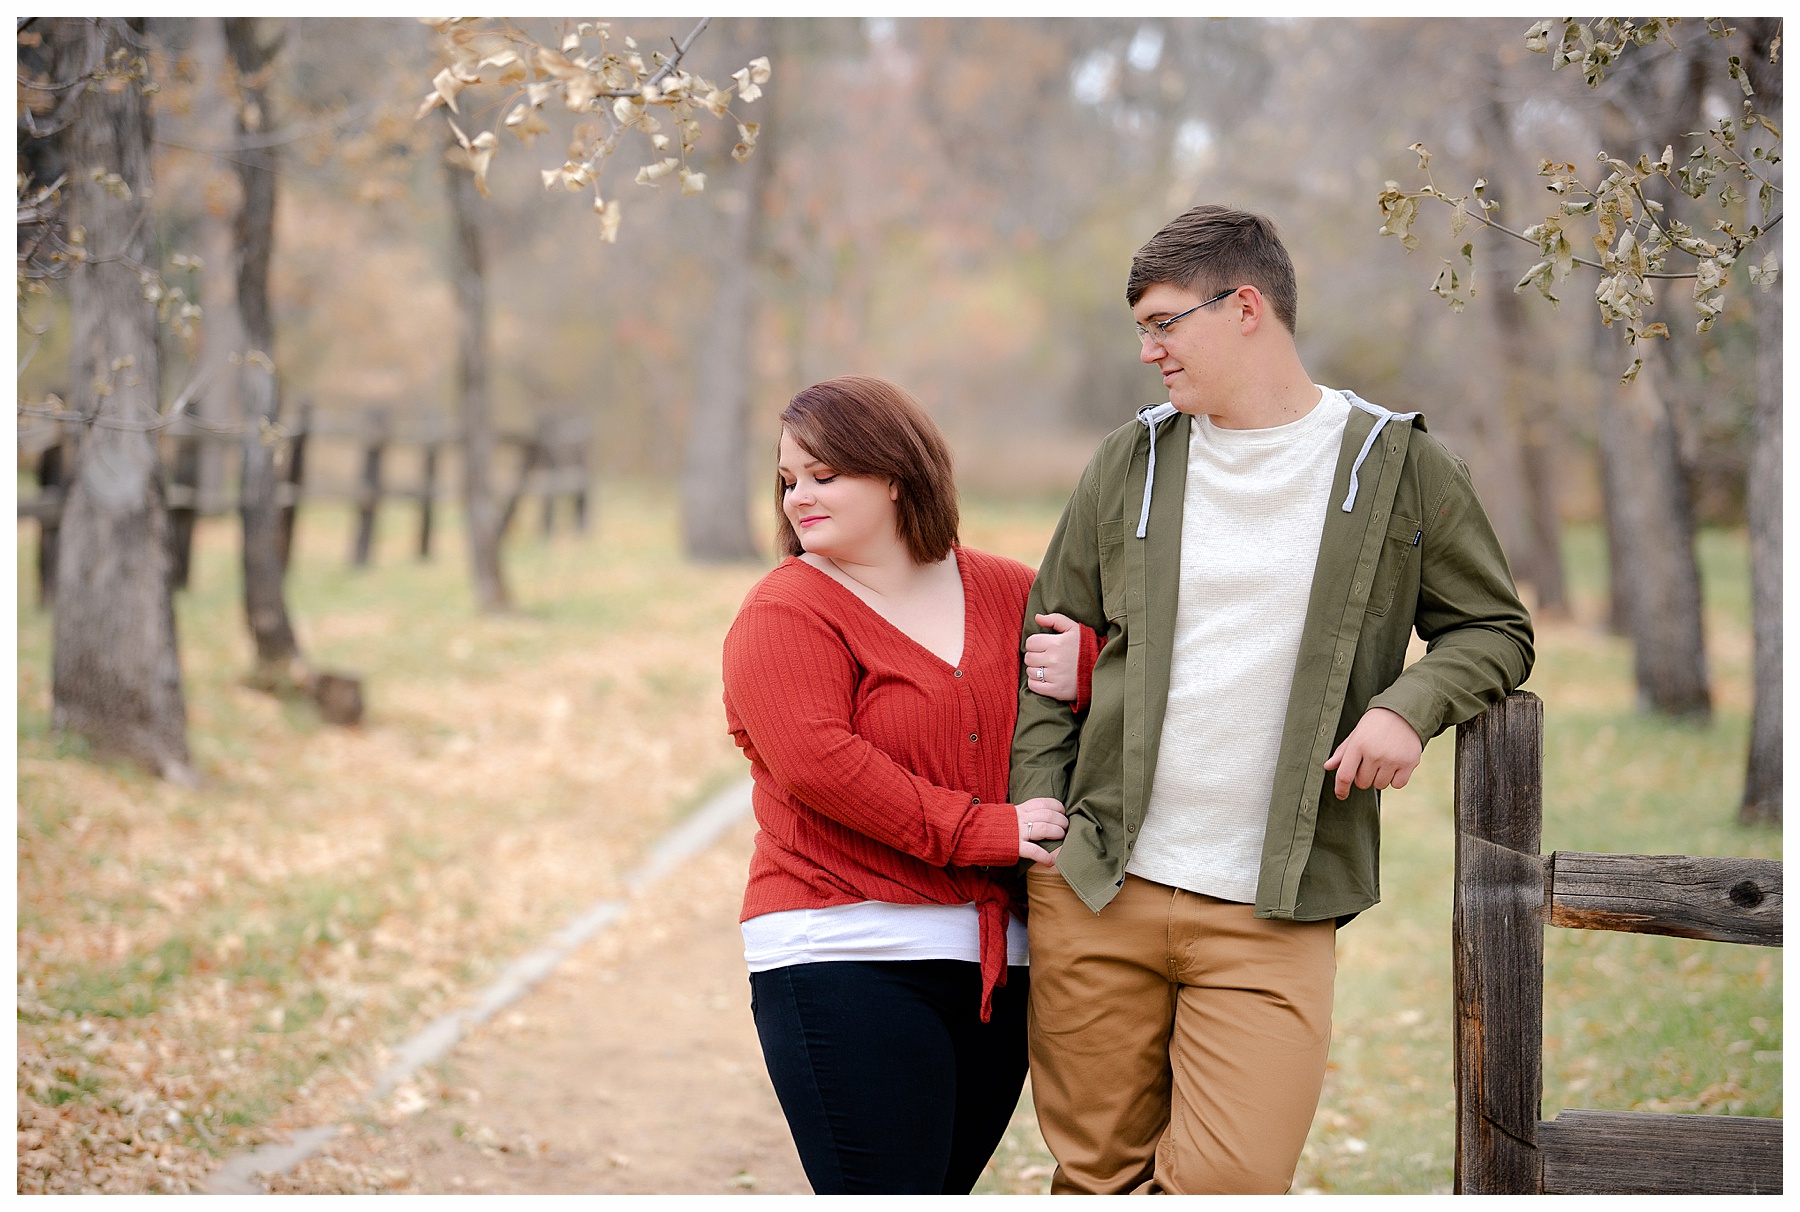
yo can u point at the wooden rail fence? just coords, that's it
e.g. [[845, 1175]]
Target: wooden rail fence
[[553, 462], [1506, 892]]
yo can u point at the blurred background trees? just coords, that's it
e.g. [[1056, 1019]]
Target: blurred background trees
[[1694, 215], [116, 675], [952, 204]]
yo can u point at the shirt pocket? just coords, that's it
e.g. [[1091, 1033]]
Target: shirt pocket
[[1398, 562], [1112, 568]]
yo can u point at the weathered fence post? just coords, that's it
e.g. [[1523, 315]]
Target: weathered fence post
[[183, 496], [1498, 943], [368, 494], [51, 467], [287, 494], [428, 485], [531, 454], [549, 439], [1505, 895], [582, 482]]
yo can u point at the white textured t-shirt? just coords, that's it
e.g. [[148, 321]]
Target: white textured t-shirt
[[1251, 521]]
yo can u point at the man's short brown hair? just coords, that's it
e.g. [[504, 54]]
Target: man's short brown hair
[[863, 426], [1213, 248]]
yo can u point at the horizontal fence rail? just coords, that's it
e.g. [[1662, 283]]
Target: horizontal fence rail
[[540, 476], [1638, 1153], [553, 461], [1724, 900]]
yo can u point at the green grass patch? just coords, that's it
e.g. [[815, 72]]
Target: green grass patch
[[399, 838]]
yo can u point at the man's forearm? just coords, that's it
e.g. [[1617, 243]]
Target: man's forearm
[[1044, 749], [1465, 672]]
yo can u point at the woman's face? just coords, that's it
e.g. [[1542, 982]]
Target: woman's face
[[836, 516]]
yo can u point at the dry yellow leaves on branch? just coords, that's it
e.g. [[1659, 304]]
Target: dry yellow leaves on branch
[[1632, 235], [619, 86]]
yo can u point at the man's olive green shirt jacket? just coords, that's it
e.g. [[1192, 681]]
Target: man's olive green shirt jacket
[[1414, 552]]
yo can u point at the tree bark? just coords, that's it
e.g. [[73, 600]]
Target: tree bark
[[216, 124], [277, 651], [1529, 407], [1650, 511], [1660, 576], [715, 484], [1762, 779], [1618, 531], [481, 517], [116, 673]]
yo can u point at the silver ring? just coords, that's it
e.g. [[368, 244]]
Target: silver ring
[[1040, 673]]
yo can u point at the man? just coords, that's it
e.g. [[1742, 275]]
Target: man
[[1258, 552]]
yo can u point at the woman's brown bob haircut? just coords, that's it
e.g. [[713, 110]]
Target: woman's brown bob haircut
[[862, 426]]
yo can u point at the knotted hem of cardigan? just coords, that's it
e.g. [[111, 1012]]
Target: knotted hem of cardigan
[[991, 907]]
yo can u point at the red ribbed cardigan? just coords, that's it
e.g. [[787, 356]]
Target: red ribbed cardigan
[[880, 771]]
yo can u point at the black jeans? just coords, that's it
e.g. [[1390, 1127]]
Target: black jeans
[[890, 1081]]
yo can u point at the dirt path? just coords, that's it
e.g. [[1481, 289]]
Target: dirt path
[[634, 1068]]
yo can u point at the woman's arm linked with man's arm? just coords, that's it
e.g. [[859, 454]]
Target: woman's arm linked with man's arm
[[789, 679]]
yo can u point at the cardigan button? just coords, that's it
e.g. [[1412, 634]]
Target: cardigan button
[[973, 738], [975, 799], [956, 673]]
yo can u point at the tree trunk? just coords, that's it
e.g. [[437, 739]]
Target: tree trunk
[[116, 674], [481, 516], [277, 651], [1661, 578], [1651, 514], [1762, 779], [715, 485], [1528, 405], [216, 125], [1618, 531]]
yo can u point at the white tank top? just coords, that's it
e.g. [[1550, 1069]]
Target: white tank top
[[872, 930]]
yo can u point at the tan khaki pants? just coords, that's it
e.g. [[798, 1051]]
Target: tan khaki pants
[[1177, 1042]]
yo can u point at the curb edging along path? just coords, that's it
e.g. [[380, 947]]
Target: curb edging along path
[[239, 1174]]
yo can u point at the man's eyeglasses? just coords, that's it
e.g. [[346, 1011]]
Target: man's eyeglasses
[[1158, 329]]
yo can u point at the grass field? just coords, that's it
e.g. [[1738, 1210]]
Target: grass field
[[199, 968]]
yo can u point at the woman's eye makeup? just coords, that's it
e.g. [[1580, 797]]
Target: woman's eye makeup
[[788, 485]]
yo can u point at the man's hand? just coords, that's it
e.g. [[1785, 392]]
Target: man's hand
[[1040, 820], [1051, 657], [1382, 751]]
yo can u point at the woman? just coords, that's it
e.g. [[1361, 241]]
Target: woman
[[872, 680]]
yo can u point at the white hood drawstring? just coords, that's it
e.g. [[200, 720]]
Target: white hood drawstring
[[1150, 416], [1153, 415], [1382, 417]]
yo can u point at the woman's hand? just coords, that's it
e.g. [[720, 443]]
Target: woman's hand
[[1040, 820], [1051, 657]]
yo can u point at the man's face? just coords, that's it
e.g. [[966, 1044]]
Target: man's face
[[1188, 353]]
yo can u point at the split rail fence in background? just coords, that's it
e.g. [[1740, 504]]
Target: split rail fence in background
[[1506, 892], [554, 460]]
